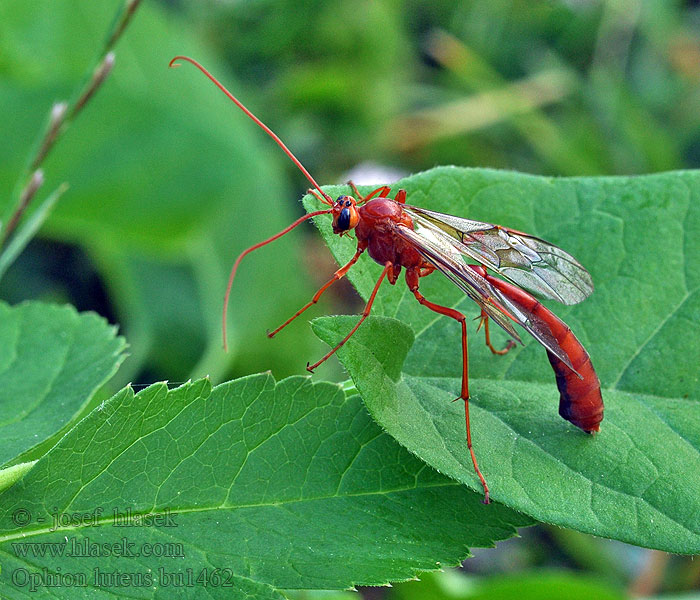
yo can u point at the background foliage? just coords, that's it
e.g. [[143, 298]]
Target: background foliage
[[169, 182]]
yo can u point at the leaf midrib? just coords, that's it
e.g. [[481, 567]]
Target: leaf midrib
[[24, 534]]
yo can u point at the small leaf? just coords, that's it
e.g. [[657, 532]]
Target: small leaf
[[532, 585], [52, 361], [162, 139], [12, 474], [636, 480], [281, 486], [27, 230]]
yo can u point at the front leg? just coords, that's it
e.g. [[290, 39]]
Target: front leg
[[339, 274], [381, 192], [365, 313]]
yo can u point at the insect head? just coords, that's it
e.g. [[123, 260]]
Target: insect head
[[345, 215]]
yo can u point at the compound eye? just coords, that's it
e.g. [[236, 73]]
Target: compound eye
[[344, 219]]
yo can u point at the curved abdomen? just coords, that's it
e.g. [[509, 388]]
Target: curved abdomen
[[580, 400]]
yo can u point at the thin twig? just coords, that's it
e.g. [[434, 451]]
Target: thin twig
[[56, 118], [60, 117], [122, 23], [28, 228], [29, 191], [98, 77]]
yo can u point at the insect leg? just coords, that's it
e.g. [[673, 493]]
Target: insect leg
[[382, 192], [227, 295], [485, 321], [365, 313], [313, 192], [400, 197], [339, 274], [412, 280]]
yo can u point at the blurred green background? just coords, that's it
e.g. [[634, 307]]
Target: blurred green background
[[169, 181]]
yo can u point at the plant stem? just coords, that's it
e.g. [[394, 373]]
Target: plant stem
[[29, 191], [60, 117]]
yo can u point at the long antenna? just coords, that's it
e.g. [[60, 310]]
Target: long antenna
[[326, 198], [224, 315]]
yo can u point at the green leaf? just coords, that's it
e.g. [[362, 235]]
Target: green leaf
[[168, 183], [27, 230], [322, 595], [11, 475], [52, 361], [636, 480], [530, 585], [288, 485]]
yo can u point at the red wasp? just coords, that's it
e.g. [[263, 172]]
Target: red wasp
[[397, 235]]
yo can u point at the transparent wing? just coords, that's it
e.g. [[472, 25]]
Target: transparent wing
[[527, 261], [440, 250]]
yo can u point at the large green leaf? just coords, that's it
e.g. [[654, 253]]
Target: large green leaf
[[287, 485], [528, 585], [636, 480], [168, 182], [52, 360]]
